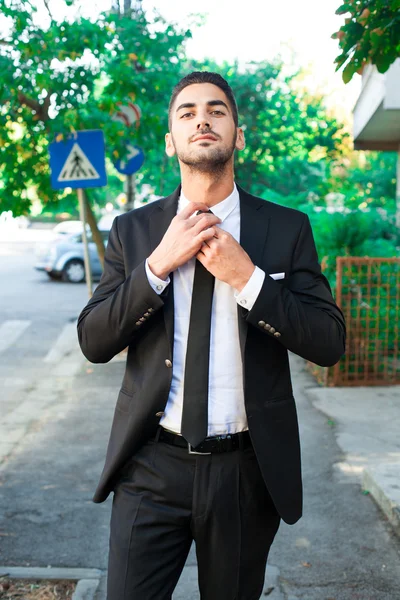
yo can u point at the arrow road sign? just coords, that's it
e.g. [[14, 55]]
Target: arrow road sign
[[79, 161], [132, 161]]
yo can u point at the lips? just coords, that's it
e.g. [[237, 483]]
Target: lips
[[205, 137]]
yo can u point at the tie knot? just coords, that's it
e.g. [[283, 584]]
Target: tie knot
[[204, 211]]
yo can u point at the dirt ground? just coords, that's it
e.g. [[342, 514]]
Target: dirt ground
[[27, 589]]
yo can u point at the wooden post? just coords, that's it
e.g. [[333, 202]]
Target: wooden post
[[88, 271]]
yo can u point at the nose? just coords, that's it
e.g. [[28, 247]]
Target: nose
[[203, 123]]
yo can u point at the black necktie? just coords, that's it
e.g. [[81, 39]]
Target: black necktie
[[195, 387]]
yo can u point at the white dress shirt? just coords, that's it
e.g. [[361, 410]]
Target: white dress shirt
[[226, 412]]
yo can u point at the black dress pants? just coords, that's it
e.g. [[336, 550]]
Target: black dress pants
[[164, 499]]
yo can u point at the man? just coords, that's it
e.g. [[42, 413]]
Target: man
[[204, 443]]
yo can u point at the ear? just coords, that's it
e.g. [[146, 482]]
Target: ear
[[169, 145], [240, 141]]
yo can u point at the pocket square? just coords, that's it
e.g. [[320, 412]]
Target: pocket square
[[277, 275]]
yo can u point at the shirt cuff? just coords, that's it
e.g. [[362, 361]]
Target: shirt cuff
[[156, 283], [249, 294]]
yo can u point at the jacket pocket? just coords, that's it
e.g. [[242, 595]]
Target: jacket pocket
[[280, 398], [124, 401]]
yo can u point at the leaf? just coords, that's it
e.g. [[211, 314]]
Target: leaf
[[343, 9], [383, 63], [348, 72], [341, 59]]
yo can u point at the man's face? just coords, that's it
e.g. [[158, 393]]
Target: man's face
[[203, 133]]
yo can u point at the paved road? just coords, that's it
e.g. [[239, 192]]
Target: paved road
[[342, 548], [35, 314]]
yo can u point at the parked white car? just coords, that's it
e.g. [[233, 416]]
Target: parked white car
[[63, 259]]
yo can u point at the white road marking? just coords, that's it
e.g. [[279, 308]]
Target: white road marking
[[10, 331], [66, 344]]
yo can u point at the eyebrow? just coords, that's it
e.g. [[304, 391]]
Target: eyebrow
[[210, 103]]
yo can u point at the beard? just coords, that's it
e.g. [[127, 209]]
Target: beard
[[208, 160]]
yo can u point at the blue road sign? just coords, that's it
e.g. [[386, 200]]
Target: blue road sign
[[132, 161], [78, 161]]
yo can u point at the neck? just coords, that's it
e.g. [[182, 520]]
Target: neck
[[208, 188]]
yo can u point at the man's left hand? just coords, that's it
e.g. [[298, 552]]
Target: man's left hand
[[224, 257]]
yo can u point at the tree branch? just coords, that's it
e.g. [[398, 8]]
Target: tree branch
[[46, 105], [46, 3], [33, 104], [42, 110]]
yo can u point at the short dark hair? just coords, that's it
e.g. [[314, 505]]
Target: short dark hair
[[205, 77]]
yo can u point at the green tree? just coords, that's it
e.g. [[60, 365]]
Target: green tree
[[289, 133], [69, 74], [366, 180], [371, 34]]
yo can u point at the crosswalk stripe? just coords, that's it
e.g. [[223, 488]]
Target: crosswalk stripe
[[10, 332], [66, 342]]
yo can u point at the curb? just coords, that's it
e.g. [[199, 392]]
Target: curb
[[88, 579], [377, 480], [86, 589]]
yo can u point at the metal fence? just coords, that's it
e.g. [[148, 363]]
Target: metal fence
[[368, 292]]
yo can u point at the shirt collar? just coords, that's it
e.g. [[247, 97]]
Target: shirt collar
[[222, 210]]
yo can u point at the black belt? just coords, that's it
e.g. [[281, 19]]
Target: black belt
[[218, 443]]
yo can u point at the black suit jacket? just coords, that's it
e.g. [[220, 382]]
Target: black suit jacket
[[126, 312]]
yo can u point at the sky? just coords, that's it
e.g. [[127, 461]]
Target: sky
[[261, 29]]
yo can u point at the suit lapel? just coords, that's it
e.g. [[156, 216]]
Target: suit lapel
[[160, 220], [254, 223]]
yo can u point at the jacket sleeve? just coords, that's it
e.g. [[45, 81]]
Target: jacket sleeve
[[119, 308], [302, 315]]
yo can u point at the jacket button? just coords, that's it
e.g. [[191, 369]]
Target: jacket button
[[142, 319], [168, 363], [159, 414], [267, 326], [261, 323], [150, 310], [146, 314], [272, 330], [138, 323], [277, 334]]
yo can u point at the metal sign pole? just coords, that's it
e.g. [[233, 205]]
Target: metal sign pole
[[130, 192], [88, 271]]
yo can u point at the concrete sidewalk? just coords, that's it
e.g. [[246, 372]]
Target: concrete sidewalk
[[366, 424], [57, 434]]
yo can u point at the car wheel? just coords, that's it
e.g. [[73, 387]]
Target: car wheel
[[74, 271]]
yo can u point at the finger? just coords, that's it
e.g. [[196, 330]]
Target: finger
[[191, 208], [206, 234], [211, 242], [201, 257], [204, 221]]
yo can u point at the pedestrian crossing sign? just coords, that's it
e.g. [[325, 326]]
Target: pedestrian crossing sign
[[78, 161]]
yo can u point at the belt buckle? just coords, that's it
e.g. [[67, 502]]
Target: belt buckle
[[190, 451]]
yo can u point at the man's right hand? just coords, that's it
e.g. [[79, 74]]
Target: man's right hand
[[183, 239]]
